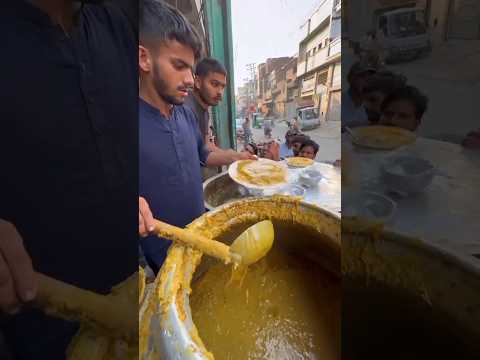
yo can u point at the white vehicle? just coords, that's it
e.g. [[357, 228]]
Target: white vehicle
[[402, 33], [308, 118]]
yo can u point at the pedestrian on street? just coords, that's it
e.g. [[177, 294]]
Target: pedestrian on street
[[267, 128], [172, 149], [247, 131], [295, 124], [353, 111], [286, 147]]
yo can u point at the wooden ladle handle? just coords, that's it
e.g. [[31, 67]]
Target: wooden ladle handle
[[69, 302], [189, 238]]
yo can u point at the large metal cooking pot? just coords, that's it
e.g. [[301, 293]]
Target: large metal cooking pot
[[423, 284], [166, 327], [401, 292], [221, 189]]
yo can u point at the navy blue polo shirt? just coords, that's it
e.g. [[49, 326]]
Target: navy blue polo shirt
[[68, 155], [171, 155]]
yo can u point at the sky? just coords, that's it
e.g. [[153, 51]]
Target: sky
[[266, 28]]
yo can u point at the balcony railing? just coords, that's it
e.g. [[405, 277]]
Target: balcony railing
[[335, 47], [300, 68], [320, 57]]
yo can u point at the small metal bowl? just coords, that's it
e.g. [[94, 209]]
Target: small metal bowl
[[310, 177], [407, 175], [293, 190], [368, 205]]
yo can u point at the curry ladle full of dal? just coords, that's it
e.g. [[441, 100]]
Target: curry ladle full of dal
[[252, 245]]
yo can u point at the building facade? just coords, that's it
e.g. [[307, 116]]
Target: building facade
[[242, 100], [291, 85], [269, 74], [319, 61]]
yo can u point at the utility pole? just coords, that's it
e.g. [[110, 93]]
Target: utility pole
[[251, 83]]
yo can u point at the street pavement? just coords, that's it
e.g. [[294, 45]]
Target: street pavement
[[327, 136], [450, 77]]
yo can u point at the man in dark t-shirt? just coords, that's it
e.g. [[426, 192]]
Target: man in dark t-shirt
[[69, 155], [209, 85]]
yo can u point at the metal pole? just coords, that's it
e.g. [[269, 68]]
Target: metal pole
[[251, 84]]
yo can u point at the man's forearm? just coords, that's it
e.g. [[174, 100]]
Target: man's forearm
[[222, 157]]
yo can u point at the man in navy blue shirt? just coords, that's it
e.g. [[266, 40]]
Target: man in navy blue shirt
[[172, 149], [68, 157], [210, 82]]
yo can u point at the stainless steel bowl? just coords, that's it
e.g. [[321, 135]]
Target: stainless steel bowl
[[293, 190], [221, 189], [310, 177], [368, 205], [407, 175]]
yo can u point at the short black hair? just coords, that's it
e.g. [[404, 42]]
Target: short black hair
[[300, 138], [254, 147], [160, 22], [208, 65], [311, 143], [291, 133], [361, 67], [385, 82], [410, 94]]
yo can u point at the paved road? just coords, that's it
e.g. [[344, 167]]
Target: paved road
[[327, 136], [450, 77]]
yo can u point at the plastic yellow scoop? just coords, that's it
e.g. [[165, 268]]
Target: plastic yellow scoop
[[249, 247]]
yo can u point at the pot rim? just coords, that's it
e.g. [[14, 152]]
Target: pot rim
[[461, 261], [165, 316]]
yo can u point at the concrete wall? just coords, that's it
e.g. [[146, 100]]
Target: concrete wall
[[279, 109], [291, 73], [438, 21], [323, 11], [465, 20], [314, 57]]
